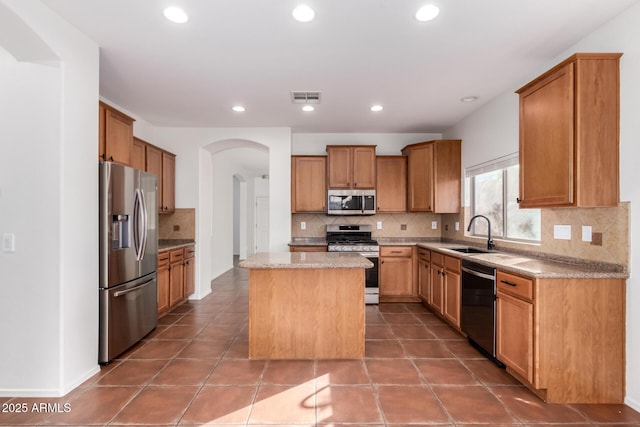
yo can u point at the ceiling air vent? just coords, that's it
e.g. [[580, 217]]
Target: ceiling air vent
[[305, 97]]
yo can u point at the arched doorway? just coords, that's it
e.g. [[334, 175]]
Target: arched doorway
[[238, 208]]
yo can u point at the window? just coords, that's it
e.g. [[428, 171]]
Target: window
[[491, 190]]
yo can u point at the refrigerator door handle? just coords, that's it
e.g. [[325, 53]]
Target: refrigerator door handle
[[139, 224], [145, 223], [134, 289]]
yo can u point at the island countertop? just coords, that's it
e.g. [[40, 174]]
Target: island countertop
[[296, 260]]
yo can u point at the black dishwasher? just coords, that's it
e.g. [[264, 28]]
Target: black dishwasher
[[478, 312]]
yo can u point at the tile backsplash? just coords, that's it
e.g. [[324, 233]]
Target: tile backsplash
[[611, 222], [393, 225], [179, 225]]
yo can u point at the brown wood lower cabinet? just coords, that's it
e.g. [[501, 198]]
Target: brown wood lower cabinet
[[441, 277], [424, 275], [563, 338], [189, 271], [176, 277], [396, 274], [163, 282]]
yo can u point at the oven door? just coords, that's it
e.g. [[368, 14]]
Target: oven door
[[372, 292]]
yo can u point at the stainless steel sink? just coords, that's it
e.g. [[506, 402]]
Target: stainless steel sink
[[469, 250]]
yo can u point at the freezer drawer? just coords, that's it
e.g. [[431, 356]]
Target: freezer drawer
[[127, 313]]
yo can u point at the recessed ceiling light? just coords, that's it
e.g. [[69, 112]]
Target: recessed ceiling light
[[303, 13], [175, 14], [427, 12], [376, 108], [238, 109], [308, 108], [469, 99]]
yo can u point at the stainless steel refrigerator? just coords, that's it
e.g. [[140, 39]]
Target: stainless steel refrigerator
[[128, 253]]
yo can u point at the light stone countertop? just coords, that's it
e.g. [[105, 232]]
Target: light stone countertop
[[170, 244], [292, 260], [531, 266]]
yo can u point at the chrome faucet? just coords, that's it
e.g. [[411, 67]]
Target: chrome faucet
[[490, 244]]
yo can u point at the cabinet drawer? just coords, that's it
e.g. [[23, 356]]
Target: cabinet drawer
[[424, 254], [437, 258], [163, 259], [176, 256], [189, 252], [515, 285], [399, 251], [452, 264]]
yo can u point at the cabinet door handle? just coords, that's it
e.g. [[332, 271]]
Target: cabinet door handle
[[518, 200], [111, 158], [509, 283]]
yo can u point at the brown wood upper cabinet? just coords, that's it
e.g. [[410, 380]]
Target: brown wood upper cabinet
[[308, 184], [391, 183], [115, 135], [569, 147], [434, 176], [162, 164], [351, 166]]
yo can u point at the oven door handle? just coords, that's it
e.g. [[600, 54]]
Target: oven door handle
[[369, 254]]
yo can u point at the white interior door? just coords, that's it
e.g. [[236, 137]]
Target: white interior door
[[262, 224]]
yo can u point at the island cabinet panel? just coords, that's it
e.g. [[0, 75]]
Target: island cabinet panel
[[306, 313], [563, 338], [391, 184], [569, 128], [308, 184], [351, 166]]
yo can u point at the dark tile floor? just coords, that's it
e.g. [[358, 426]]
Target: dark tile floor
[[193, 370]]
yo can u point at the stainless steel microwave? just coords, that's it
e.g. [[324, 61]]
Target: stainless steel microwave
[[351, 202]]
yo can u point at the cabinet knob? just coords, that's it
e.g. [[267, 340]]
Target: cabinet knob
[[103, 156], [111, 158], [518, 200]]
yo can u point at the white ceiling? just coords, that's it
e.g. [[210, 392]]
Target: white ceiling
[[356, 52]]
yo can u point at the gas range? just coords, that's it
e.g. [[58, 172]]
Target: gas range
[[351, 238], [357, 239]]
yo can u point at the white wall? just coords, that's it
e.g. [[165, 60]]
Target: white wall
[[48, 199], [194, 169], [386, 143], [493, 132]]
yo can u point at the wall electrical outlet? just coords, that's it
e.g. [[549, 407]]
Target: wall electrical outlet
[[562, 232], [379, 225], [434, 225], [586, 233], [457, 225], [303, 225]]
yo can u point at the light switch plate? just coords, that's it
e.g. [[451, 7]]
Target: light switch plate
[[379, 225], [434, 225], [586, 233], [562, 232], [8, 242], [457, 226]]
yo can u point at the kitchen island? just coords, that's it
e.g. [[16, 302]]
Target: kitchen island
[[306, 305]]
